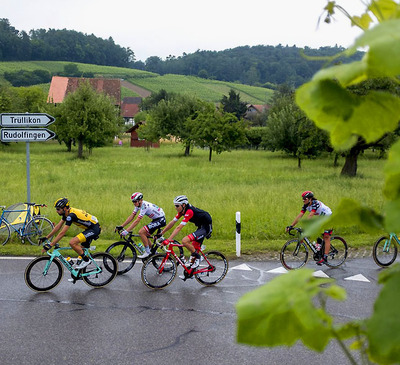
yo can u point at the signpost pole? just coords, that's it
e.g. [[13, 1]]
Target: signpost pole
[[18, 120], [28, 173]]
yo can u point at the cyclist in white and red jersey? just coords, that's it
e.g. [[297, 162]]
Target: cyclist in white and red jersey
[[200, 218], [142, 208], [315, 207]]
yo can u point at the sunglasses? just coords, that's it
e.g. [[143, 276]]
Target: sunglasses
[[177, 205]]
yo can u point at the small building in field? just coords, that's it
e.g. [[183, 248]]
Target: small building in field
[[253, 110], [136, 142]]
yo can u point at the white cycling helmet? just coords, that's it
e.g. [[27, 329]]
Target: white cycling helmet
[[181, 199], [135, 197]]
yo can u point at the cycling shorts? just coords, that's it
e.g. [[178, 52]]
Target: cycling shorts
[[328, 232], [87, 236], [155, 224], [201, 233]]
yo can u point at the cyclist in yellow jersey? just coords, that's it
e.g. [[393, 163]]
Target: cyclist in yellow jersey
[[80, 218]]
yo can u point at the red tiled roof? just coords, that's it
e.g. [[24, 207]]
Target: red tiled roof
[[61, 86], [129, 110]]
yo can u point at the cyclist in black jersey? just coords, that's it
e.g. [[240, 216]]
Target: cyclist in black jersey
[[200, 218], [80, 218]]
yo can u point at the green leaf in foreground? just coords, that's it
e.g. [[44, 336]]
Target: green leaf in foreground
[[383, 326], [282, 312], [345, 115]]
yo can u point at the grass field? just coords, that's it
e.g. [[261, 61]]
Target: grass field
[[264, 186], [208, 90]]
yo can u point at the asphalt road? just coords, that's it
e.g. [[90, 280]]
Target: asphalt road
[[186, 323]]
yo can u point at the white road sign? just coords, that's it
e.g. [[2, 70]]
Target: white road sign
[[26, 135], [16, 120]]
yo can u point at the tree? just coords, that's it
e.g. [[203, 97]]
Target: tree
[[89, 118], [363, 89], [167, 119], [289, 130], [215, 130], [233, 104]]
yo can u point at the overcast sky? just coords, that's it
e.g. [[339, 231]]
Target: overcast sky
[[172, 27]]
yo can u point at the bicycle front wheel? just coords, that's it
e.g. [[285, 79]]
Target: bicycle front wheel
[[42, 275], [384, 251], [338, 252], [37, 227], [125, 254], [102, 270], [4, 232], [215, 266], [158, 271], [294, 254]]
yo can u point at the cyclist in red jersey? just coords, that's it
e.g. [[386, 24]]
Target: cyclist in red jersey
[[315, 207], [200, 218]]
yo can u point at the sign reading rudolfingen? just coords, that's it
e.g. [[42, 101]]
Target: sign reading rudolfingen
[[26, 135]]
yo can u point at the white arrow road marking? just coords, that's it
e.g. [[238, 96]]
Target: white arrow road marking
[[241, 267], [320, 274], [279, 270], [358, 277]]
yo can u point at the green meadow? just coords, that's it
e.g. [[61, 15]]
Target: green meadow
[[264, 186]]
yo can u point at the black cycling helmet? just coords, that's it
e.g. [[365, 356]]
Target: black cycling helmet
[[61, 203], [307, 194]]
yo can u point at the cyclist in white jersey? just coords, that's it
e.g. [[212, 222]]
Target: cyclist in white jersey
[[315, 207], [142, 208]]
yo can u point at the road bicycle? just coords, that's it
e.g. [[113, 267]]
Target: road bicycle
[[160, 270], [384, 251], [21, 219], [294, 253], [126, 251], [45, 272]]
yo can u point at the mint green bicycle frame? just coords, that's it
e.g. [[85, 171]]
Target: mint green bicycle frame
[[76, 273]]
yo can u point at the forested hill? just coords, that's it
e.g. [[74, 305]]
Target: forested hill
[[261, 65], [257, 66]]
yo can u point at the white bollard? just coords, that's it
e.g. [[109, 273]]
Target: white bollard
[[238, 229]]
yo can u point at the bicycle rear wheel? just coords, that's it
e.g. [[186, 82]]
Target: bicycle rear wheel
[[108, 270], [37, 279], [384, 251], [338, 252], [294, 254], [36, 228], [4, 232], [218, 266], [125, 254], [158, 271]]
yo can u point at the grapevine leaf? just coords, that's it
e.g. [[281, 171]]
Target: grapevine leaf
[[383, 326], [282, 312]]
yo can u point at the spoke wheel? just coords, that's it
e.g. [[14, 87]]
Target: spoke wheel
[[37, 227], [384, 251], [294, 254], [216, 265], [338, 252], [125, 254], [158, 272], [37, 279], [108, 270], [4, 233]]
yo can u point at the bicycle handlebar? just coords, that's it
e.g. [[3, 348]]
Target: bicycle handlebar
[[299, 230], [36, 205]]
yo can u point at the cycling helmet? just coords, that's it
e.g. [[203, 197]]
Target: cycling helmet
[[307, 194], [135, 197], [61, 203], [181, 199]]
